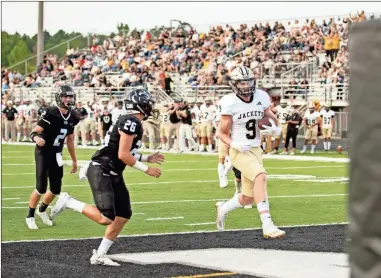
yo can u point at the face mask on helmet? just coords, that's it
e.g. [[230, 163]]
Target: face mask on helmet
[[244, 87], [283, 104], [66, 100]]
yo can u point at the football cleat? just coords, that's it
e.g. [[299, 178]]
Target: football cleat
[[45, 218], [249, 206], [97, 259], [60, 205], [30, 221], [272, 231], [220, 218]]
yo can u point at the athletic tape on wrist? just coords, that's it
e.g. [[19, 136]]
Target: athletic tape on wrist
[[140, 166]]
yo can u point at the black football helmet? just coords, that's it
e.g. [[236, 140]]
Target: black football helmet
[[65, 91], [139, 101]]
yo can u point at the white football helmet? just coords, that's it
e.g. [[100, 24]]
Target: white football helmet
[[242, 81]]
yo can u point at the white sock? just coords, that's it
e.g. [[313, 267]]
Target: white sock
[[230, 205], [313, 147], [328, 145], [210, 147], [202, 147], [325, 145], [75, 205], [264, 206], [104, 246], [304, 148], [221, 171], [238, 186]]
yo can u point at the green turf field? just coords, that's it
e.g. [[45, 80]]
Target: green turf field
[[186, 192]]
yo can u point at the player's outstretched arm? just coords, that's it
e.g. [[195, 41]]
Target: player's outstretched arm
[[125, 155], [71, 149]]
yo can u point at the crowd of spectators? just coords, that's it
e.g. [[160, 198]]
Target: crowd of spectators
[[203, 59]]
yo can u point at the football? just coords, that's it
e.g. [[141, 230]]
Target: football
[[264, 121], [339, 149]]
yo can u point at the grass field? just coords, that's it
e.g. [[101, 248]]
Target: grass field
[[183, 197]]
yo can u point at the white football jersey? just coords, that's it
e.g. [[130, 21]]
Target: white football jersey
[[282, 113], [245, 116], [28, 110], [164, 116], [115, 113], [312, 118], [218, 112], [208, 113], [90, 113], [327, 118], [196, 112]]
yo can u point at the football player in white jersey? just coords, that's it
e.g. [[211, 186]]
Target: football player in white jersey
[[328, 121], [222, 152], [164, 125], [283, 111], [29, 114], [208, 113], [196, 120], [238, 129], [311, 121]]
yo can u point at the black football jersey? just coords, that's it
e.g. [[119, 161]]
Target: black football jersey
[[107, 156], [41, 110], [56, 127]]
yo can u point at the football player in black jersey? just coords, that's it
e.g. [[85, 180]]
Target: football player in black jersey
[[56, 124], [104, 172]]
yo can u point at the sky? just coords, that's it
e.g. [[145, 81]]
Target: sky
[[103, 17]]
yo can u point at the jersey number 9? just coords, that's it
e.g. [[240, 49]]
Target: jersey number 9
[[250, 126]]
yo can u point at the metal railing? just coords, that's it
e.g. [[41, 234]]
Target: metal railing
[[45, 51]]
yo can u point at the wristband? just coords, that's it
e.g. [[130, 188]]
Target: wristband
[[140, 166], [32, 135], [144, 158], [141, 157]]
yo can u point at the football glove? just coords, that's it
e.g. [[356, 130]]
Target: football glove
[[273, 129], [83, 171], [243, 148]]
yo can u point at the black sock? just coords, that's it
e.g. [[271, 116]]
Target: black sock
[[42, 207], [31, 212]]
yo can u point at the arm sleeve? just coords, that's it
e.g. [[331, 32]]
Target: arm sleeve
[[130, 126]]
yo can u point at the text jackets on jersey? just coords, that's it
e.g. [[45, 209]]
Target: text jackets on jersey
[[56, 127], [107, 156], [245, 116]]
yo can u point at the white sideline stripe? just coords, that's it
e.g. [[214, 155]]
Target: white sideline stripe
[[328, 180], [14, 207], [178, 233], [285, 177], [276, 157], [5, 199], [164, 218], [213, 200], [201, 224]]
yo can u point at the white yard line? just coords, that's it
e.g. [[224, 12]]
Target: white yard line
[[270, 177], [179, 233], [221, 199], [6, 199], [164, 218], [275, 157], [201, 224]]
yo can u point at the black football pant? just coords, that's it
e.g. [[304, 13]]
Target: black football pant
[[291, 133], [47, 168], [110, 193]]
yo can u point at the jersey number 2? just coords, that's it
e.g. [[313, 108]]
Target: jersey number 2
[[250, 126], [62, 136]]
